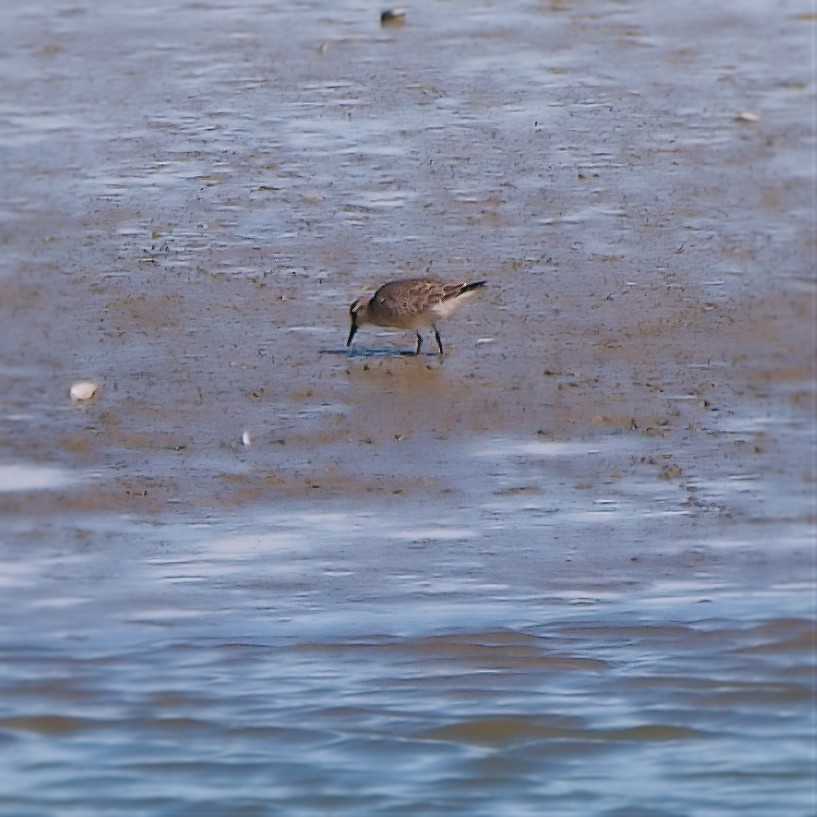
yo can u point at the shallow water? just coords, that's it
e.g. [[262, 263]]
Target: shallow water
[[569, 568]]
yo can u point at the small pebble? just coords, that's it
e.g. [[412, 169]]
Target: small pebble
[[83, 390], [391, 16], [747, 116], [246, 438]]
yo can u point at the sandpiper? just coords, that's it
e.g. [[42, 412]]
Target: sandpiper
[[414, 303]]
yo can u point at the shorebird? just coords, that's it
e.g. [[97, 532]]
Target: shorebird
[[414, 303]]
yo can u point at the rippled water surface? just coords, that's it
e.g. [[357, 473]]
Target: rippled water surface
[[567, 569]]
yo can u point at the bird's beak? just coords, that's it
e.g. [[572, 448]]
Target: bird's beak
[[352, 330]]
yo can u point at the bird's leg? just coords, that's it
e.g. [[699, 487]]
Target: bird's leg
[[439, 340], [419, 344]]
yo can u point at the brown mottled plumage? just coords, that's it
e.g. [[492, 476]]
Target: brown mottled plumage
[[415, 303]]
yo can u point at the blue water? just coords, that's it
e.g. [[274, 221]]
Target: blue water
[[320, 662]]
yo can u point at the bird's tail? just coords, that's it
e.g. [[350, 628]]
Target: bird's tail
[[468, 287]]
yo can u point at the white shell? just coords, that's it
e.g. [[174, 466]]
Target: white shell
[[83, 390], [246, 438]]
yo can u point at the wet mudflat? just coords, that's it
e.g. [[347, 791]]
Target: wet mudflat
[[569, 566]]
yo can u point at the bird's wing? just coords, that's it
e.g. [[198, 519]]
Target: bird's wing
[[410, 297]]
